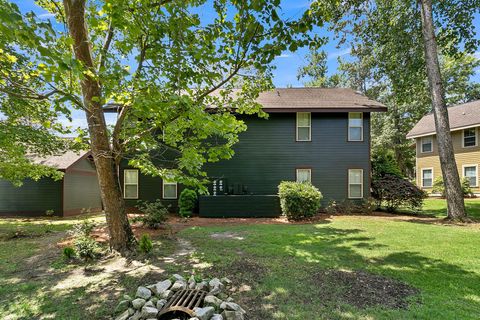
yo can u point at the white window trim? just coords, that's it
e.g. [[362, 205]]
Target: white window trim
[[421, 144], [421, 177], [463, 138], [164, 183], [349, 184], [305, 169], [361, 126], [310, 127], [476, 173], [130, 184]]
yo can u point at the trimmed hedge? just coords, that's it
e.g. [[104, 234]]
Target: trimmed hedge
[[299, 200]]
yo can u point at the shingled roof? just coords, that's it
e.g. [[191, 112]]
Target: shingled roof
[[308, 100], [61, 161], [461, 116]]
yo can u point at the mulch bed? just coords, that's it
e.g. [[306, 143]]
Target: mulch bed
[[362, 289]]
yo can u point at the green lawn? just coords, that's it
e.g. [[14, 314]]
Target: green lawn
[[279, 263], [279, 269], [438, 207]]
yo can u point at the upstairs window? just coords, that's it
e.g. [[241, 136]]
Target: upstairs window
[[304, 175], [355, 183], [427, 178], [169, 189], [426, 144], [130, 184], [355, 126], [470, 172], [304, 126], [470, 137]]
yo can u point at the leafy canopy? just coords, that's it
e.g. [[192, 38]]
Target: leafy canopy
[[171, 69]]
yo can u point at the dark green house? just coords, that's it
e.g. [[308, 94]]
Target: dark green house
[[312, 134], [76, 192]]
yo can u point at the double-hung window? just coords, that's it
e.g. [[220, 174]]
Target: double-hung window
[[427, 178], [426, 144], [470, 172], [130, 184], [169, 189], [304, 175], [470, 137], [355, 126], [355, 183], [304, 126]]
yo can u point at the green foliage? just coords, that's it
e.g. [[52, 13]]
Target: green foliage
[[299, 200], [187, 202], [49, 213], [154, 213], [228, 51], [394, 192], [68, 252], [85, 246], [439, 187], [145, 243], [384, 163], [347, 206]]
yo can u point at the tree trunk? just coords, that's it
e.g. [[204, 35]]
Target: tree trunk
[[121, 235], [453, 188]]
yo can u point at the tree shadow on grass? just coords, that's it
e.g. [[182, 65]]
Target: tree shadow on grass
[[285, 291]]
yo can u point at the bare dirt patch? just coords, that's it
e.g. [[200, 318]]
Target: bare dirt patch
[[362, 289]]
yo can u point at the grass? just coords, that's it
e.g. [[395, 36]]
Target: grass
[[438, 207], [441, 261], [276, 267]]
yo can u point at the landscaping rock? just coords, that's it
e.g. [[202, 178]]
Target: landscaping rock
[[161, 303], [124, 316], [214, 283], [136, 316], [204, 313], [166, 294], [144, 293], [178, 277], [202, 285], [127, 297], [231, 306], [216, 317], [149, 304], [149, 312], [226, 280], [194, 318], [122, 306], [161, 287], [212, 301], [179, 285], [192, 283], [232, 315], [138, 303]]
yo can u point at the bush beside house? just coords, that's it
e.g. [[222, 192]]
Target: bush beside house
[[299, 200]]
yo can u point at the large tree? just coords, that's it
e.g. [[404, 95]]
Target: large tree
[[395, 34], [169, 67]]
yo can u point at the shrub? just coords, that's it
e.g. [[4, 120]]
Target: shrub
[[187, 202], [68, 252], [85, 246], [49, 213], [393, 192], [439, 187], [299, 200], [145, 243], [384, 163], [154, 213], [348, 206]]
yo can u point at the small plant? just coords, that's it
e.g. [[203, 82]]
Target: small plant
[[145, 243], [466, 189], [439, 187], [85, 246], [154, 213], [68, 252], [299, 200], [187, 202], [332, 207], [49, 213]]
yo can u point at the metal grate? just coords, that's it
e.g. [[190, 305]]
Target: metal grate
[[181, 304]]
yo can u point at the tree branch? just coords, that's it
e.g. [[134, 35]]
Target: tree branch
[[106, 46]]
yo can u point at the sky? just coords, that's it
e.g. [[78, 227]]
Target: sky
[[287, 64]]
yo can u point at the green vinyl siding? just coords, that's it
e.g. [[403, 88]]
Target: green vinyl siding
[[245, 206], [32, 198], [268, 153]]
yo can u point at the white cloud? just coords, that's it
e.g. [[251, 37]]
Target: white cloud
[[46, 16], [284, 56], [336, 54]]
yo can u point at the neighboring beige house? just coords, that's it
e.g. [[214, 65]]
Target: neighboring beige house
[[464, 124]]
